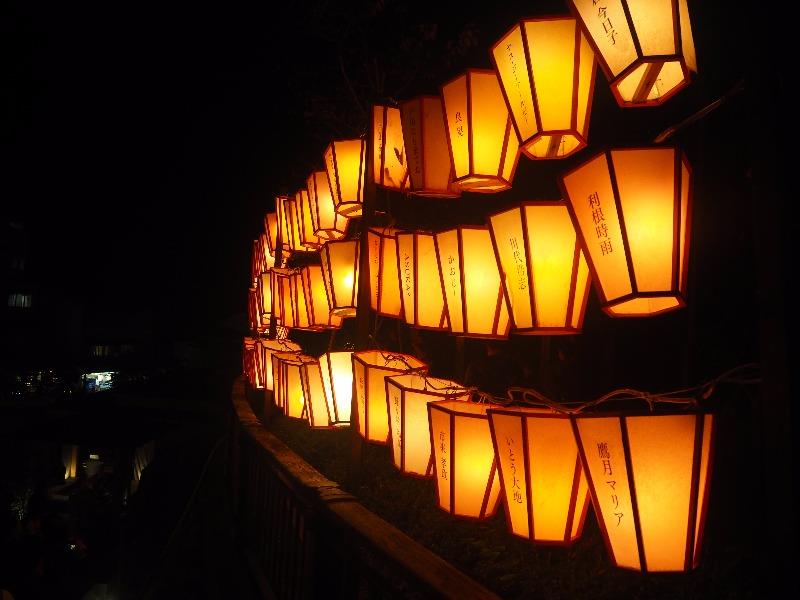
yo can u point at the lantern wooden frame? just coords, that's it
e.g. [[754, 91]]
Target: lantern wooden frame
[[264, 289], [544, 108], [340, 265], [286, 368], [662, 444], [318, 310], [384, 278], [643, 66], [268, 349], [271, 230], [491, 490], [284, 225], [337, 380], [632, 301], [282, 308], [346, 185], [305, 227], [389, 169], [417, 261], [568, 475], [467, 176], [327, 224]]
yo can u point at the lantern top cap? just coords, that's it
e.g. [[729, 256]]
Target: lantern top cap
[[537, 19], [389, 360], [285, 345], [466, 409], [336, 353], [423, 382]]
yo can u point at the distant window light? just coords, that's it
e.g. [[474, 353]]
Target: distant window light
[[18, 262], [19, 300]]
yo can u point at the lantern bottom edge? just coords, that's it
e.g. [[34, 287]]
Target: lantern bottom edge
[[553, 146], [645, 306]]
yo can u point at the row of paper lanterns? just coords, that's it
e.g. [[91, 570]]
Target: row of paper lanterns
[[646, 474]]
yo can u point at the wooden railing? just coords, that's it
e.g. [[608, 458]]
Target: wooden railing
[[303, 537]]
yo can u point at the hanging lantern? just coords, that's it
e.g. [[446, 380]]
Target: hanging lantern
[[249, 359], [282, 307], [270, 347], [369, 369], [546, 70], [390, 169], [271, 227], [631, 208], [264, 297], [321, 405], [255, 262], [545, 274], [649, 477], [546, 495], [340, 272], [470, 278], [337, 381], [344, 161], [253, 319], [645, 48], [258, 366], [464, 465], [292, 212], [384, 279], [483, 148], [308, 240], [284, 224], [268, 257], [289, 384], [327, 224], [409, 431], [430, 170], [318, 310], [299, 302], [421, 293]]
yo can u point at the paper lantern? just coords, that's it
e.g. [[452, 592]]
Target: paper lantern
[[545, 274], [289, 383], [270, 347], [409, 431], [340, 273], [384, 279], [546, 69], [483, 148], [318, 311], [645, 48], [369, 369], [389, 166], [292, 212], [420, 291], [284, 224], [308, 239], [337, 381], [327, 224], [430, 170], [470, 279], [546, 494], [282, 308], [464, 465], [631, 208], [264, 296], [271, 229], [344, 161], [249, 359], [253, 316], [297, 294], [268, 257], [649, 478]]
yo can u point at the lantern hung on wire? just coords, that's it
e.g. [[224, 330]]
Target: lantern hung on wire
[[546, 494], [284, 225], [649, 479], [337, 381], [327, 224], [318, 311], [384, 278], [464, 464], [271, 228], [316, 405], [631, 208], [370, 367], [270, 347], [340, 273], [409, 432], [430, 171], [289, 384], [282, 307], [420, 291], [484, 149], [470, 279], [645, 48], [309, 241], [345, 163], [546, 70], [544, 271], [389, 165]]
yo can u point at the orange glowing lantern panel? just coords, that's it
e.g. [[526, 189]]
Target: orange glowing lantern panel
[[545, 274], [389, 154], [270, 347], [282, 308], [546, 492], [248, 358], [271, 229], [483, 147], [425, 134], [653, 518], [409, 431], [465, 469], [264, 296], [645, 48], [327, 224], [471, 283], [420, 291], [340, 273], [344, 161], [284, 230], [337, 381], [384, 279], [316, 299], [631, 209], [370, 367], [546, 69], [308, 240], [289, 383], [300, 309]]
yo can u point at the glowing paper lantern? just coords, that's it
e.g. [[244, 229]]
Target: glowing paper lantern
[[409, 431], [384, 279], [389, 154], [289, 384], [470, 277], [420, 291], [483, 148], [264, 296], [464, 465], [344, 161], [318, 311], [282, 307], [546, 494], [370, 367], [631, 208], [645, 48], [337, 381], [430, 170], [284, 224], [308, 240], [271, 228], [249, 359], [299, 302], [546, 69], [545, 274], [649, 478], [340, 273], [327, 224], [270, 347]]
